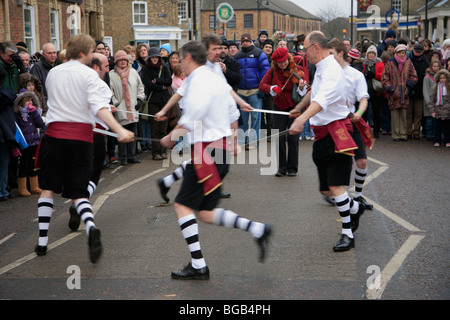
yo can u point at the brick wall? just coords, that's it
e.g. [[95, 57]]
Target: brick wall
[[119, 18]]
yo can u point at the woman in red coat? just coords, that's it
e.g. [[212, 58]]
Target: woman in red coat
[[280, 84]]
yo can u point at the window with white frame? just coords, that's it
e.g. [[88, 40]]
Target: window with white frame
[[140, 13], [30, 27], [54, 27], [73, 23], [397, 5], [182, 10]]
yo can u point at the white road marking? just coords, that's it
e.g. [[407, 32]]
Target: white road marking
[[95, 207], [393, 265]]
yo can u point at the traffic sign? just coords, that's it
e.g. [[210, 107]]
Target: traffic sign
[[224, 12]]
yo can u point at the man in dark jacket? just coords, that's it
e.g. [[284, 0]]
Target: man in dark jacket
[[390, 35], [12, 65], [254, 65], [414, 111], [47, 62], [230, 67]]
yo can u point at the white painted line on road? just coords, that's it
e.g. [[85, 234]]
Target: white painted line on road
[[377, 162], [405, 224], [33, 255], [95, 207], [393, 266], [126, 185], [7, 237]]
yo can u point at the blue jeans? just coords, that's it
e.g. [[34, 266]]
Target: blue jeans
[[4, 162], [145, 131], [255, 117]]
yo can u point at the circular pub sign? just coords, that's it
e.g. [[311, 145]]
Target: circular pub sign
[[224, 12]]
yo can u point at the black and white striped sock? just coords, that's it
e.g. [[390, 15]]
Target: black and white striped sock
[[91, 188], [176, 175], [84, 209], [230, 219], [360, 178], [343, 205], [189, 230], [45, 210]]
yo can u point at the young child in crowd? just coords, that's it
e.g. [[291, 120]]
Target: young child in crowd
[[428, 84], [29, 121], [31, 83], [440, 107], [177, 77]]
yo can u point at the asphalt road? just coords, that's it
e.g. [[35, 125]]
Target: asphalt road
[[401, 249]]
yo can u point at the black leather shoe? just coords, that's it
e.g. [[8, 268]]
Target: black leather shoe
[[345, 243], [354, 218], [263, 242], [280, 173], [163, 189], [329, 200], [40, 250], [360, 199], [95, 245], [74, 222], [134, 160], [225, 195], [190, 273]]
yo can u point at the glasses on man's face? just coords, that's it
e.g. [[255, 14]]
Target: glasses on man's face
[[306, 48]]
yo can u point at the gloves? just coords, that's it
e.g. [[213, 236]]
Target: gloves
[[18, 62], [16, 152], [30, 107], [275, 91], [138, 104]]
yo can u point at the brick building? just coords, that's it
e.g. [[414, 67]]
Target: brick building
[[154, 22], [37, 22], [250, 16]]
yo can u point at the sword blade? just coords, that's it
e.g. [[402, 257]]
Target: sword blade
[[115, 135]]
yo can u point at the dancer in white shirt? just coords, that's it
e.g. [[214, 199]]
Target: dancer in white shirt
[[206, 117], [333, 146], [64, 157], [357, 94]]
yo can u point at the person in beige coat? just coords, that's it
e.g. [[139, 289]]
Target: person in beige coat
[[128, 94]]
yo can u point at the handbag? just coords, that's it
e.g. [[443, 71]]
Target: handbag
[[295, 95], [144, 105], [377, 86]]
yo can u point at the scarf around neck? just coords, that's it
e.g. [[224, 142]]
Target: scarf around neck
[[124, 74], [441, 92], [400, 62]]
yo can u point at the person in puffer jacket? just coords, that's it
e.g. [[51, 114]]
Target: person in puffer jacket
[[254, 65]]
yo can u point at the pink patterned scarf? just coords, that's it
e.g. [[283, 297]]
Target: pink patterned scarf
[[124, 74]]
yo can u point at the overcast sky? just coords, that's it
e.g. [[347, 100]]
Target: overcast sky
[[312, 5]]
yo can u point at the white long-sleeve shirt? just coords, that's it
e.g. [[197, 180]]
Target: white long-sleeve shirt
[[329, 91], [73, 93], [356, 86], [206, 106]]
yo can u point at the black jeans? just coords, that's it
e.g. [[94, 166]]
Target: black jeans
[[287, 163]]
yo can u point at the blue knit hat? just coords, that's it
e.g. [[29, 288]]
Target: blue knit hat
[[390, 34], [167, 47]]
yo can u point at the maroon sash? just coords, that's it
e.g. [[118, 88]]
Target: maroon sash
[[204, 165], [339, 131]]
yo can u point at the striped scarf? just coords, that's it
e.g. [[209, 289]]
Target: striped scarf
[[441, 92]]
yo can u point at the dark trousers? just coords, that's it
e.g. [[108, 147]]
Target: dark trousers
[[376, 103], [286, 163], [128, 150], [26, 162], [158, 129]]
